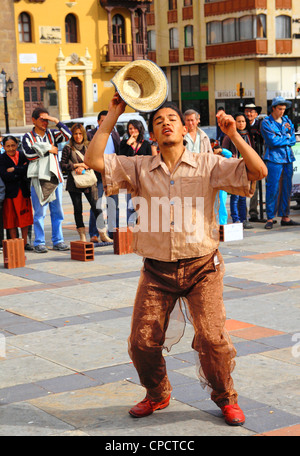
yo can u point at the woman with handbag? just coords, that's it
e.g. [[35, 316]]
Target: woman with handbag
[[81, 180]]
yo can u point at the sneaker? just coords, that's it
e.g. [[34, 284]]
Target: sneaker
[[29, 247], [40, 248], [247, 225], [233, 415], [61, 246], [147, 407]]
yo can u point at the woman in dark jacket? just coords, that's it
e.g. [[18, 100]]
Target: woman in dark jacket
[[17, 209], [238, 205], [72, 159], [134, 145]]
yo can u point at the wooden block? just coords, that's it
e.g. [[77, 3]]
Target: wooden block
[[82, 251], [231, 232], [123, 241], [14, 253]]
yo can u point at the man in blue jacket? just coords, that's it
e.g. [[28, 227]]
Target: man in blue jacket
[[279, 135]]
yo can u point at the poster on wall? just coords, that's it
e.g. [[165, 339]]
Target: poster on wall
[[49, 34]]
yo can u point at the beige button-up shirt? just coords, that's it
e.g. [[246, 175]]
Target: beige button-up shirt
[[176, 211]]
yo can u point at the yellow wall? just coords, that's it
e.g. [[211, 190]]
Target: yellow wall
[[92, 35]]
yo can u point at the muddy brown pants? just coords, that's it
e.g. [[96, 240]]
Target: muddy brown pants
[[200, 282]]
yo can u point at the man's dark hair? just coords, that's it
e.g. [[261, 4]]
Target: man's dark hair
[[102, 113], [167, 104], [37, 112]]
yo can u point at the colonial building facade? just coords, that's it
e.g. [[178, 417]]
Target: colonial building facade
[[211, 48], [81, 44]]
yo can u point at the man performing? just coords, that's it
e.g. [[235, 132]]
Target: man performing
[[178, 262]]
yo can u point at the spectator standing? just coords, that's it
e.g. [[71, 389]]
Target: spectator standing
[[72, 160], [17, 209], [219, 134], [2, 197], [238, 205], [113, 146], [196, 139], [252, 112], [134, 145], [40, 148], [223, 215], [279, 135]]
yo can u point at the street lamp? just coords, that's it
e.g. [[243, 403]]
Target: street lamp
[[7, 86]]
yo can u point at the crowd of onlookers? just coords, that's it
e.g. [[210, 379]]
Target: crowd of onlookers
[[32, 173]]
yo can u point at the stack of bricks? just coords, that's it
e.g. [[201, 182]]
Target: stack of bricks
[[82, 251], [14, 253], [123, 241]]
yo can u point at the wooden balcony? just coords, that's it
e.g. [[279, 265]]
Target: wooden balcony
[[124, 52], [236, 49], [150, 17], [188, 54], [173, 55], [187, 13], [172, 16], [283, 4], [233, 6], [284, 46], [152, 56]]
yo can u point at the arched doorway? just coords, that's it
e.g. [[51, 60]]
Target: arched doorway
[[75, 98]]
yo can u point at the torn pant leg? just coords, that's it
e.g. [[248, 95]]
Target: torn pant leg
[[152, 308], [212, 342], [200, 282]]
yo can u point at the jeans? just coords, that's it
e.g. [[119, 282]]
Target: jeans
[[278, 189], [56, 215], [238, 208], [112, 213]]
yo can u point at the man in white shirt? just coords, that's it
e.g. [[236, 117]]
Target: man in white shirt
[[196, 139]]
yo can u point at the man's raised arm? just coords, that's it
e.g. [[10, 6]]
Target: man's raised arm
[[256, 168], [94, 156]]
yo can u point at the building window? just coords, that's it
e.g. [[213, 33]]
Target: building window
[[261, 26], [229, 32], [118, 29], [71, 28], [245, 28], [283, 27], [24, 27], [188, 36], [151, 40], [173, 36], [172, 5], [214, 32]]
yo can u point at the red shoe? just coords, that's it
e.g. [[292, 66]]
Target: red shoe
[[233, 415], [146, 407]]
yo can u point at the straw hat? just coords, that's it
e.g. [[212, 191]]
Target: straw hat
[[142, 85]]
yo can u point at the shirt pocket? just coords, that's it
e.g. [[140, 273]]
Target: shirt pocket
[[193, 187]]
